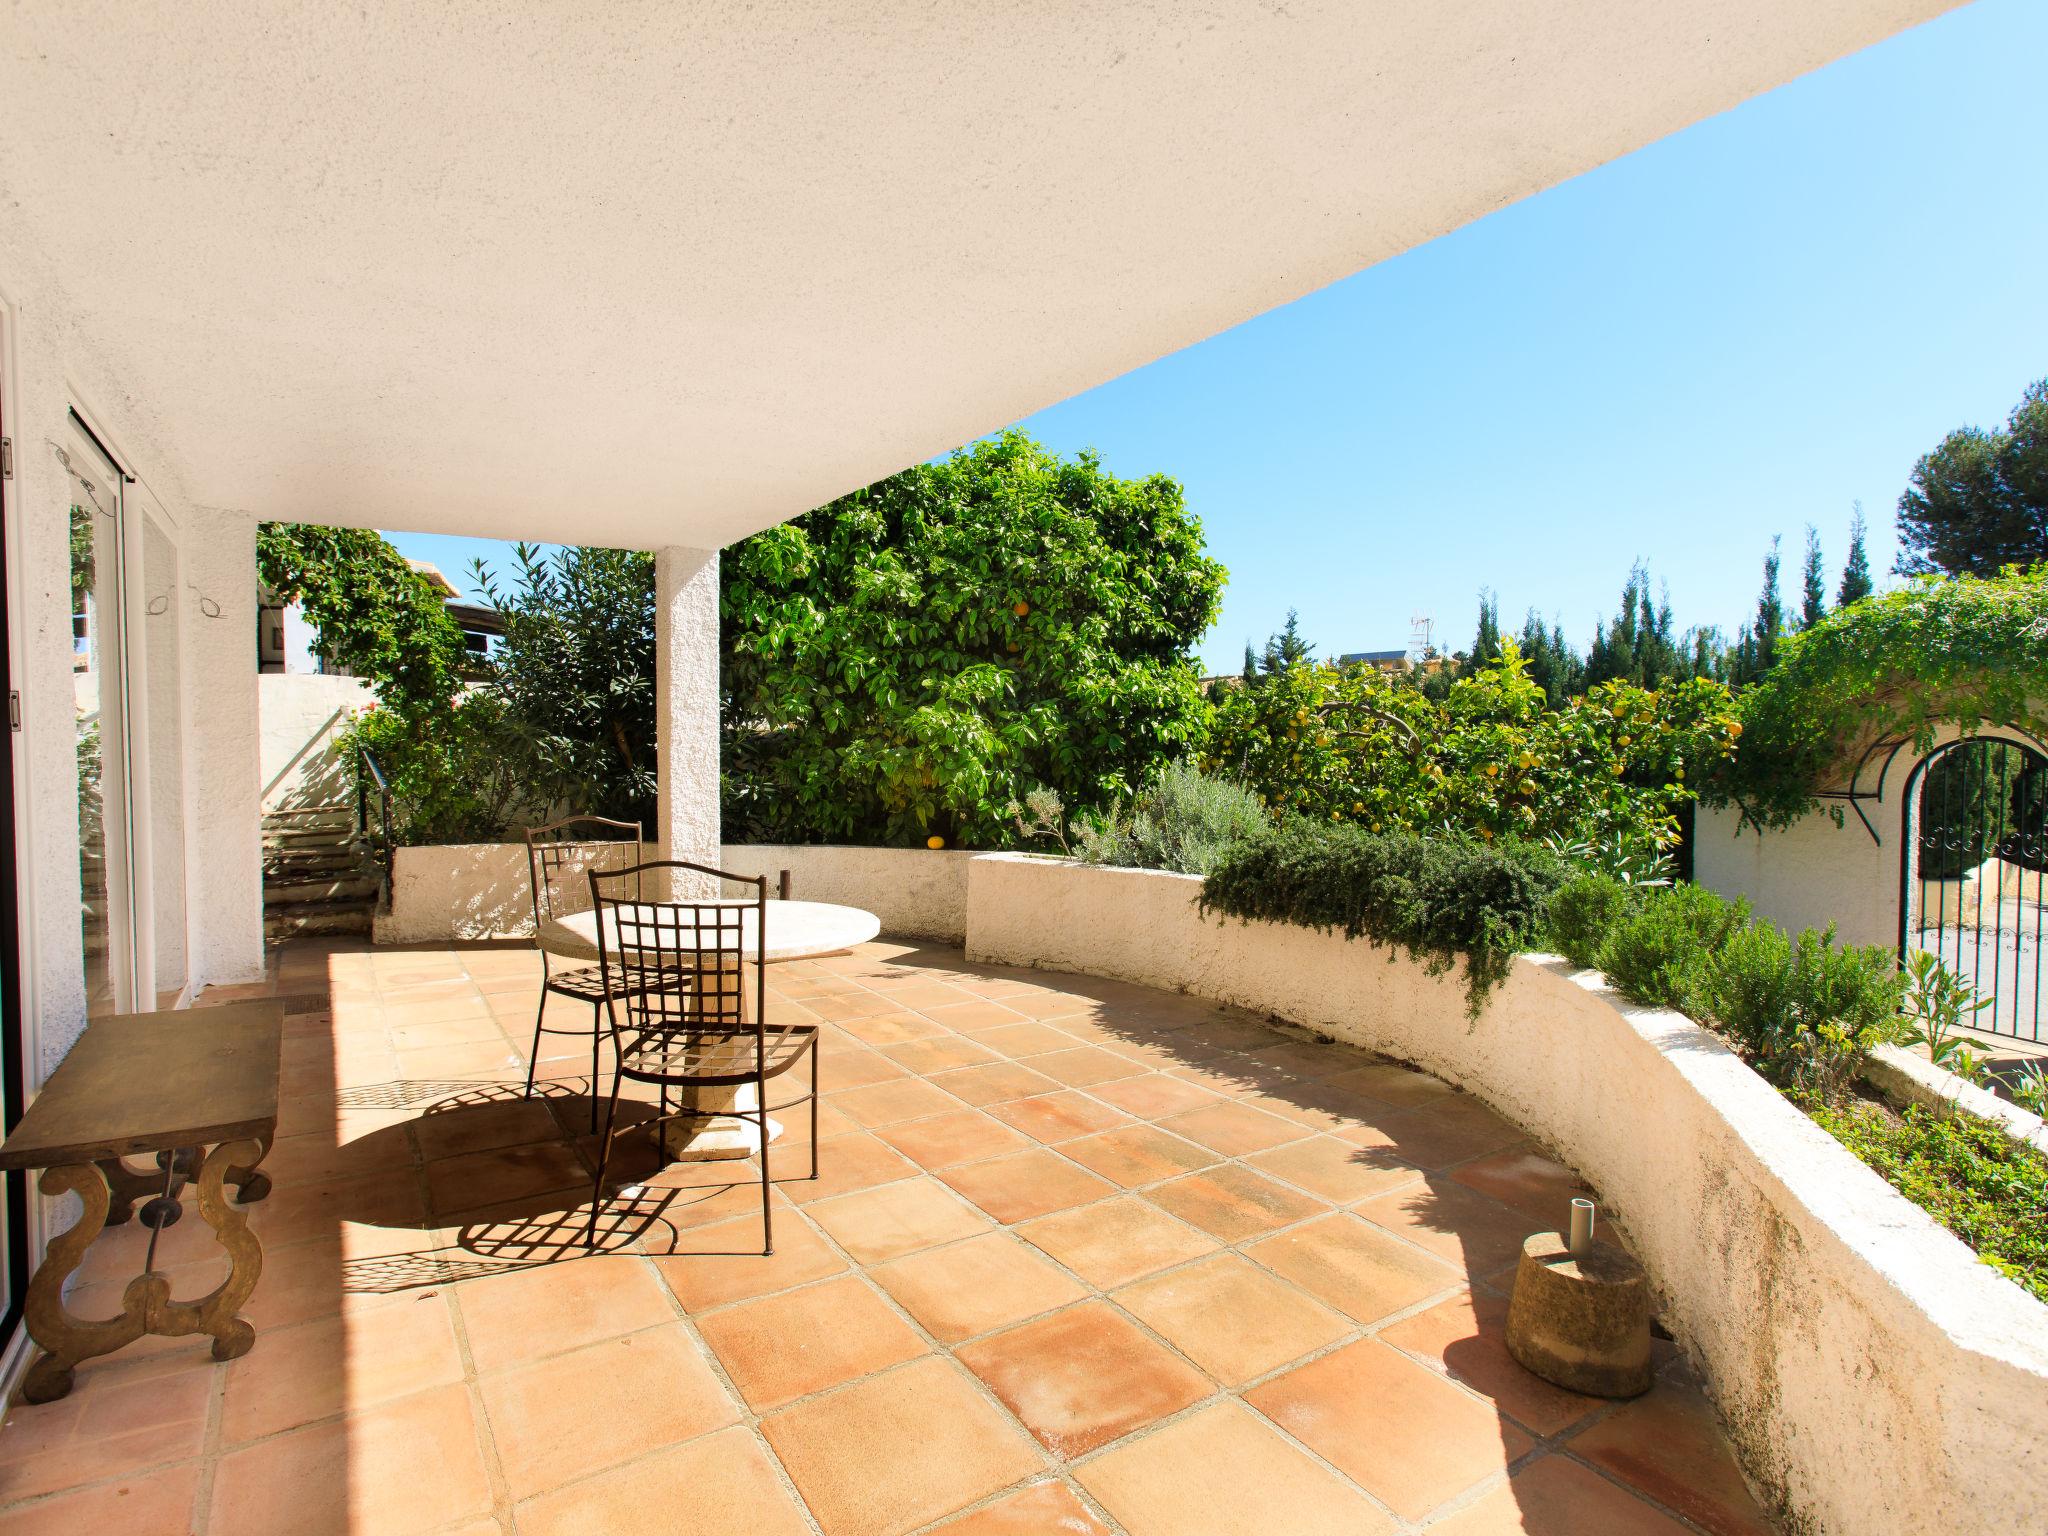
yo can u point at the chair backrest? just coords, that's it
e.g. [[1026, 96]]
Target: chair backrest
[[560, 855], [717, 940]]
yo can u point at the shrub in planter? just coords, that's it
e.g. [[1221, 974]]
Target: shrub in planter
[[1183, 822], [1585, 910], [1437, 898], [1659, 953], [1806, 1010]]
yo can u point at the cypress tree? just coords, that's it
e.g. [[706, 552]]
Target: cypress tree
[[1813, 595], [1856, 569]]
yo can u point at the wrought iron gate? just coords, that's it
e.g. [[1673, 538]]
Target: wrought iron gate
[[1974, 881]]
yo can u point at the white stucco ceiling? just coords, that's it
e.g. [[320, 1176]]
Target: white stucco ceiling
[[653, 273]]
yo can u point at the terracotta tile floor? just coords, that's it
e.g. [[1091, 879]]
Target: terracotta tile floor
[[1082, 1258]]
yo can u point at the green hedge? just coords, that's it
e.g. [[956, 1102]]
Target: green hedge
[[1441, 899]]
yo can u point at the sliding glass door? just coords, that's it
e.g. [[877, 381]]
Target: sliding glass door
[[99, 685]]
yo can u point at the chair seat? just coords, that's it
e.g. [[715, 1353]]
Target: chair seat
[[588, 983], [713, 1057], [557, 939]]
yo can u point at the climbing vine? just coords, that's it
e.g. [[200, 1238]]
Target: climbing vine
[[1967, 650]]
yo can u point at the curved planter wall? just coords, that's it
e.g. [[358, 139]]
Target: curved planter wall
[[1877, 1378]]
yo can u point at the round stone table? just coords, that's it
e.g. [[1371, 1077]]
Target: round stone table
[[797, 930]]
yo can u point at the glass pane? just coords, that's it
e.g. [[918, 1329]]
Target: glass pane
[[102, 746], [160, 650]]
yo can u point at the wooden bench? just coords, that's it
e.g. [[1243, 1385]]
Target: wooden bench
[[174, 1085]]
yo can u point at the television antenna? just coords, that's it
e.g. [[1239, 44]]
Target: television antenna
[[1421, 631]]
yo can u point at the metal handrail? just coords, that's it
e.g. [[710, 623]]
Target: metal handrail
[[368, 770]]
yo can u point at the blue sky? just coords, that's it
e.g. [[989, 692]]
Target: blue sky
[[1735, 332]]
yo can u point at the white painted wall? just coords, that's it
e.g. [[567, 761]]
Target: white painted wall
[[302, 717], [1840, 1327], [483, 890], [686, 822]]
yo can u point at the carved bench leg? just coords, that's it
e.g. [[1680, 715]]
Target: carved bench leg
[[250, 1184], [66, 1340], [214, 1313]]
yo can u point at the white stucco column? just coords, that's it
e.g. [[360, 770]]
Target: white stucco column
[[224, 763], [686, 705]]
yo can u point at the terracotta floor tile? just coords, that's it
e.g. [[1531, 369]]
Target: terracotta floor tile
[[1043, 1003], [858, 1068], [1081, 1378], [712, 1265], [1392, 1083], [1027, 1184], [1466, 1336], [1139, 1154], [1540, 1188], [1059, 1116], [887, 1103], [477, 1179], [1085, 1065], [408, 1466], [1033, 1511], [1670, 1446], [941, 1054], [1353, 1266], [996, 1084], [1437, 1137], [1456, 1224], [1310, 1058], [1233, 1129], [598, 1406], [847, 1164], [1025, 1039], [973, 1018], [749, 1495], [1232, 1318], [520, 1316], [782, 1347], [1405, 1434], [1195, 1476], [879, 1029], [897, 1451], [120, 1419], [1232, 1202], [1335, 1169], [479, 1061], [965, 1136], [1555, 1496], [966, 1289], [157, 1503], [1116, 1241], [885, 1223], [921, 995], [340, 1365], [1155, 1095], [1232, 1034]]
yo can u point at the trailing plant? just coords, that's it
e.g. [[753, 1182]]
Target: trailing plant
[[1184, 820], [1490, 760], [1964, 650], [912, 659], [1440, 899], [1989, 1190]]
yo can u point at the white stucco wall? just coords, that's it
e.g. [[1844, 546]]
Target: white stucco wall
[[483, 890], [1876, 1377], [302, 714]]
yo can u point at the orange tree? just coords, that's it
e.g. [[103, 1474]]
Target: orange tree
[[1610, 768], [906, 662]]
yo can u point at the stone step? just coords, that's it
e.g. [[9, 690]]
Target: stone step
[[283, 923], [290, 893]]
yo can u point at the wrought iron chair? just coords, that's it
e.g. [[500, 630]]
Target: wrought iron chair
[[686, 997], [559, 857]]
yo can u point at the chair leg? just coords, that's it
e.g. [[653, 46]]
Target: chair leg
[[596, 1036], [604, 1158], [817, 1069], [761, 1120], [533, 1056]]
